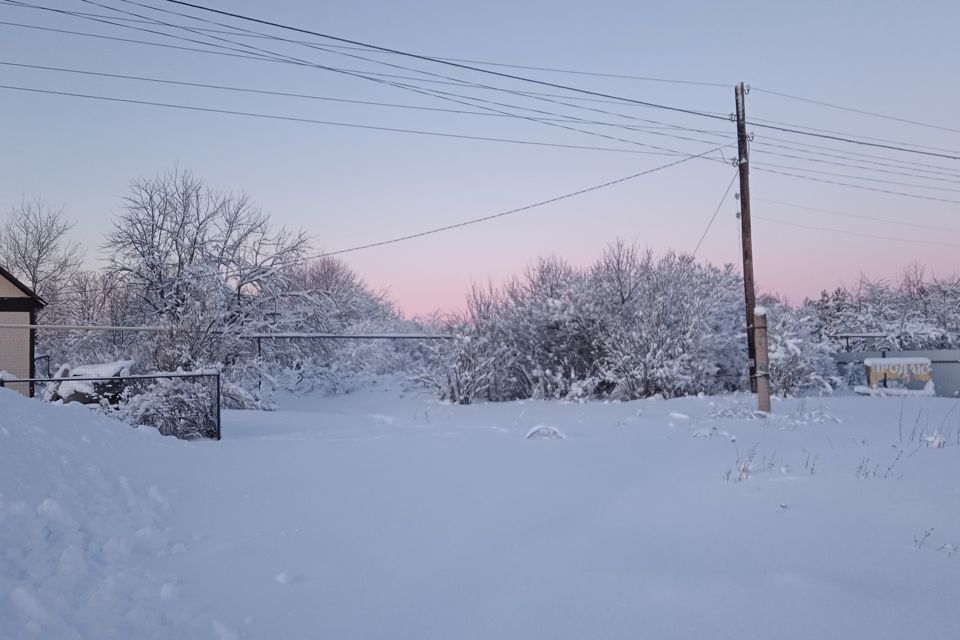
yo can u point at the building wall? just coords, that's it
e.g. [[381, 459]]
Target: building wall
[[15, 347], [7, 290]]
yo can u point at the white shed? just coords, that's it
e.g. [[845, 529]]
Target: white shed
[[18, 305]]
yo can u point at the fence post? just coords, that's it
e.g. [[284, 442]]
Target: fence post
[[259, 363], [763, 360], [218, 406]]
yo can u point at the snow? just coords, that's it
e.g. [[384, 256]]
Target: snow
[[100, 370], [545, 432], [892, 362], [84, 387], [833, 517]]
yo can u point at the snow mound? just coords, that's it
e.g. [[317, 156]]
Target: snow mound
[[545, 432], [80, 529]]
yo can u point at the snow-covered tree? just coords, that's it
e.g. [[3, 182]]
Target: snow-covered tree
[[34, 246]]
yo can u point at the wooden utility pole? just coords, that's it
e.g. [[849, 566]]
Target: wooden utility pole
[[749, 294], [763, 361]]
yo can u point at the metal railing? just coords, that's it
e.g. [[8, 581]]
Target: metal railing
[[182, 404]]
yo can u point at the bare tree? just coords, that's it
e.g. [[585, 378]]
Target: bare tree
[[34, 247], [174, 226], [205, 263]]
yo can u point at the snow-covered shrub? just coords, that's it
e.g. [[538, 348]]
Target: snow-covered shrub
[[668, 326], [629, 327], [235, 396], [459, 371], [548, 325], [179, 407], [800, 359], [472, 365]]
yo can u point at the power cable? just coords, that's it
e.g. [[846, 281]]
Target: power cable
[[837, 138], [443, 95], [865, 158], [857, 186], [487, 218], [755, 121], [238, 16], [855, 110], [855, 233], [333, 123], [287, 94], [579, 72], [714, 216], [855, 177], [512, 211], [458, 65], [280, 57], [845, 214]]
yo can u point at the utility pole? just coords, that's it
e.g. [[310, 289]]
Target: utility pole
[[749, 293]]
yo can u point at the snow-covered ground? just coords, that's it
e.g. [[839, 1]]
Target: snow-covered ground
[[385, 514]]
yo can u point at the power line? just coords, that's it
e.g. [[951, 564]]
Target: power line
[[618, 99], [855, 110], [854, 177], [487, 218], [755, 122], [458, 65], [857, 186], [115, 24], [862, 168], [282, 58], [865, 158], [132, 40], [845, 214], [855, 233], [838, 138], [511, 211], [579, 72], [545, 83], [714, 216], [204, 85], [457, 98], [268, 59], [597, 74], [250, 114], [278, 93]]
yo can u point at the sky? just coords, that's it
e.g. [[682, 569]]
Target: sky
[[350, 186]]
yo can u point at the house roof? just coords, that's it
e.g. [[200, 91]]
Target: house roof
[[36, 301]]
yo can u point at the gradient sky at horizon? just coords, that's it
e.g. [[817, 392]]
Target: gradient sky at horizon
[[349, 186]]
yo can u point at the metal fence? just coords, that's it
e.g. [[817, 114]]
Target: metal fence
[[183, 405]]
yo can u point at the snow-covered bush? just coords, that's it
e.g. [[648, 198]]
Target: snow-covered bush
[[180, 407], [548, 328], [629, 327], [800, 358], [668, 326]]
